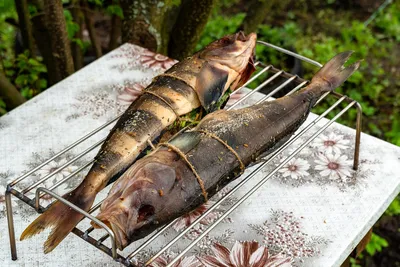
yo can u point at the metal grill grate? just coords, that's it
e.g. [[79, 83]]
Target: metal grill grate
[[129, 259]]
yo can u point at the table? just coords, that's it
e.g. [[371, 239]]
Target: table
[[305, 212]]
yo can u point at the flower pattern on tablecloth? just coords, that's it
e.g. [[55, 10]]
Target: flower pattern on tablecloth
[[191, 261], [129, 90], [324, 162], [156, 61], [137, 58], [26, 212], [114, 99], [295, 168], [334, 166], [53, 166], [283, 233], [130, 94], [95, 104], [187, 219], [247, 253], [332, 143], [39, 158]]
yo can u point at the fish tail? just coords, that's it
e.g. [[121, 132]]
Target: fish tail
[[61, 218], [333, 73]]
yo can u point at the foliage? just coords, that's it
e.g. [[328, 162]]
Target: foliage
[[115, 10], [2, 106], [111, 9], [394, 208], [72, 26], [218, 27], [7, 32], [96, 2], [27, 73], [72, 29], [388, 23], [377, 243], [354, 263]]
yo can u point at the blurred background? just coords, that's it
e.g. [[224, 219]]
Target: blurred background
[[31, 61]]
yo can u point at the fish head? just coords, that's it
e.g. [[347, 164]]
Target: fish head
[[235, 51], [229, 64], [136, 199]]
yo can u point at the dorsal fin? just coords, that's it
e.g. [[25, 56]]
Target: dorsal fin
[[210, 86]]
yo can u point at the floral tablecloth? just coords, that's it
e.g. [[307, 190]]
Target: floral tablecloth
[[313, 212]]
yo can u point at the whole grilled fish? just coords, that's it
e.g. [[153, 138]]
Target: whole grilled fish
[[196, 81], [180, 175]]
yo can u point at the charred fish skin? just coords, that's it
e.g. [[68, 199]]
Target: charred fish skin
[[163, 186], [195, 81]]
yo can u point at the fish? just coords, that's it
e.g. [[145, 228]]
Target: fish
[[181, 174], [197, 81]]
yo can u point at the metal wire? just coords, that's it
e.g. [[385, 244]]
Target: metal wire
[[258, 88], [290, 53], [128, 260], [29, 188], [71, 146], [87, 215]]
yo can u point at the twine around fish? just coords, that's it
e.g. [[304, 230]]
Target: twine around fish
[[184, 157], [211, 135]]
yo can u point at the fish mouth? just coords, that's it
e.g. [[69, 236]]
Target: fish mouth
[[116, 225], [124, 225]]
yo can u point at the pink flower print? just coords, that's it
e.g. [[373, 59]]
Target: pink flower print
[[247, 253], [334, 166], [156, 61], [189, 218], [130, 93]]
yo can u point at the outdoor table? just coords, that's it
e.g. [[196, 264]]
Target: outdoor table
[[306, 211]]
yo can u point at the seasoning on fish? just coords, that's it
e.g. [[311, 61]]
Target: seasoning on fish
[[196, 81], [188, 168]]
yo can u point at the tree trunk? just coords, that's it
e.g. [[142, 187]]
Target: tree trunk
[[25, 26], [77, 53], [10, 95], [148, 22], [61, 49], [42, 38], [115, 32], [189, 25], [92, 32], [255, 15]]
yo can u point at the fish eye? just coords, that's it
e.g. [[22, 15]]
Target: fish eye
[[225, 41]]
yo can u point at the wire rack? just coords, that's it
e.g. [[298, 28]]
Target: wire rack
[[87, 235]]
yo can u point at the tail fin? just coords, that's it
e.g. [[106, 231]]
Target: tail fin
[[60, 217], [333, 73]]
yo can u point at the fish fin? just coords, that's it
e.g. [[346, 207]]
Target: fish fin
[[61, 218], [333, 73], [210, 86], [245, 76]]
